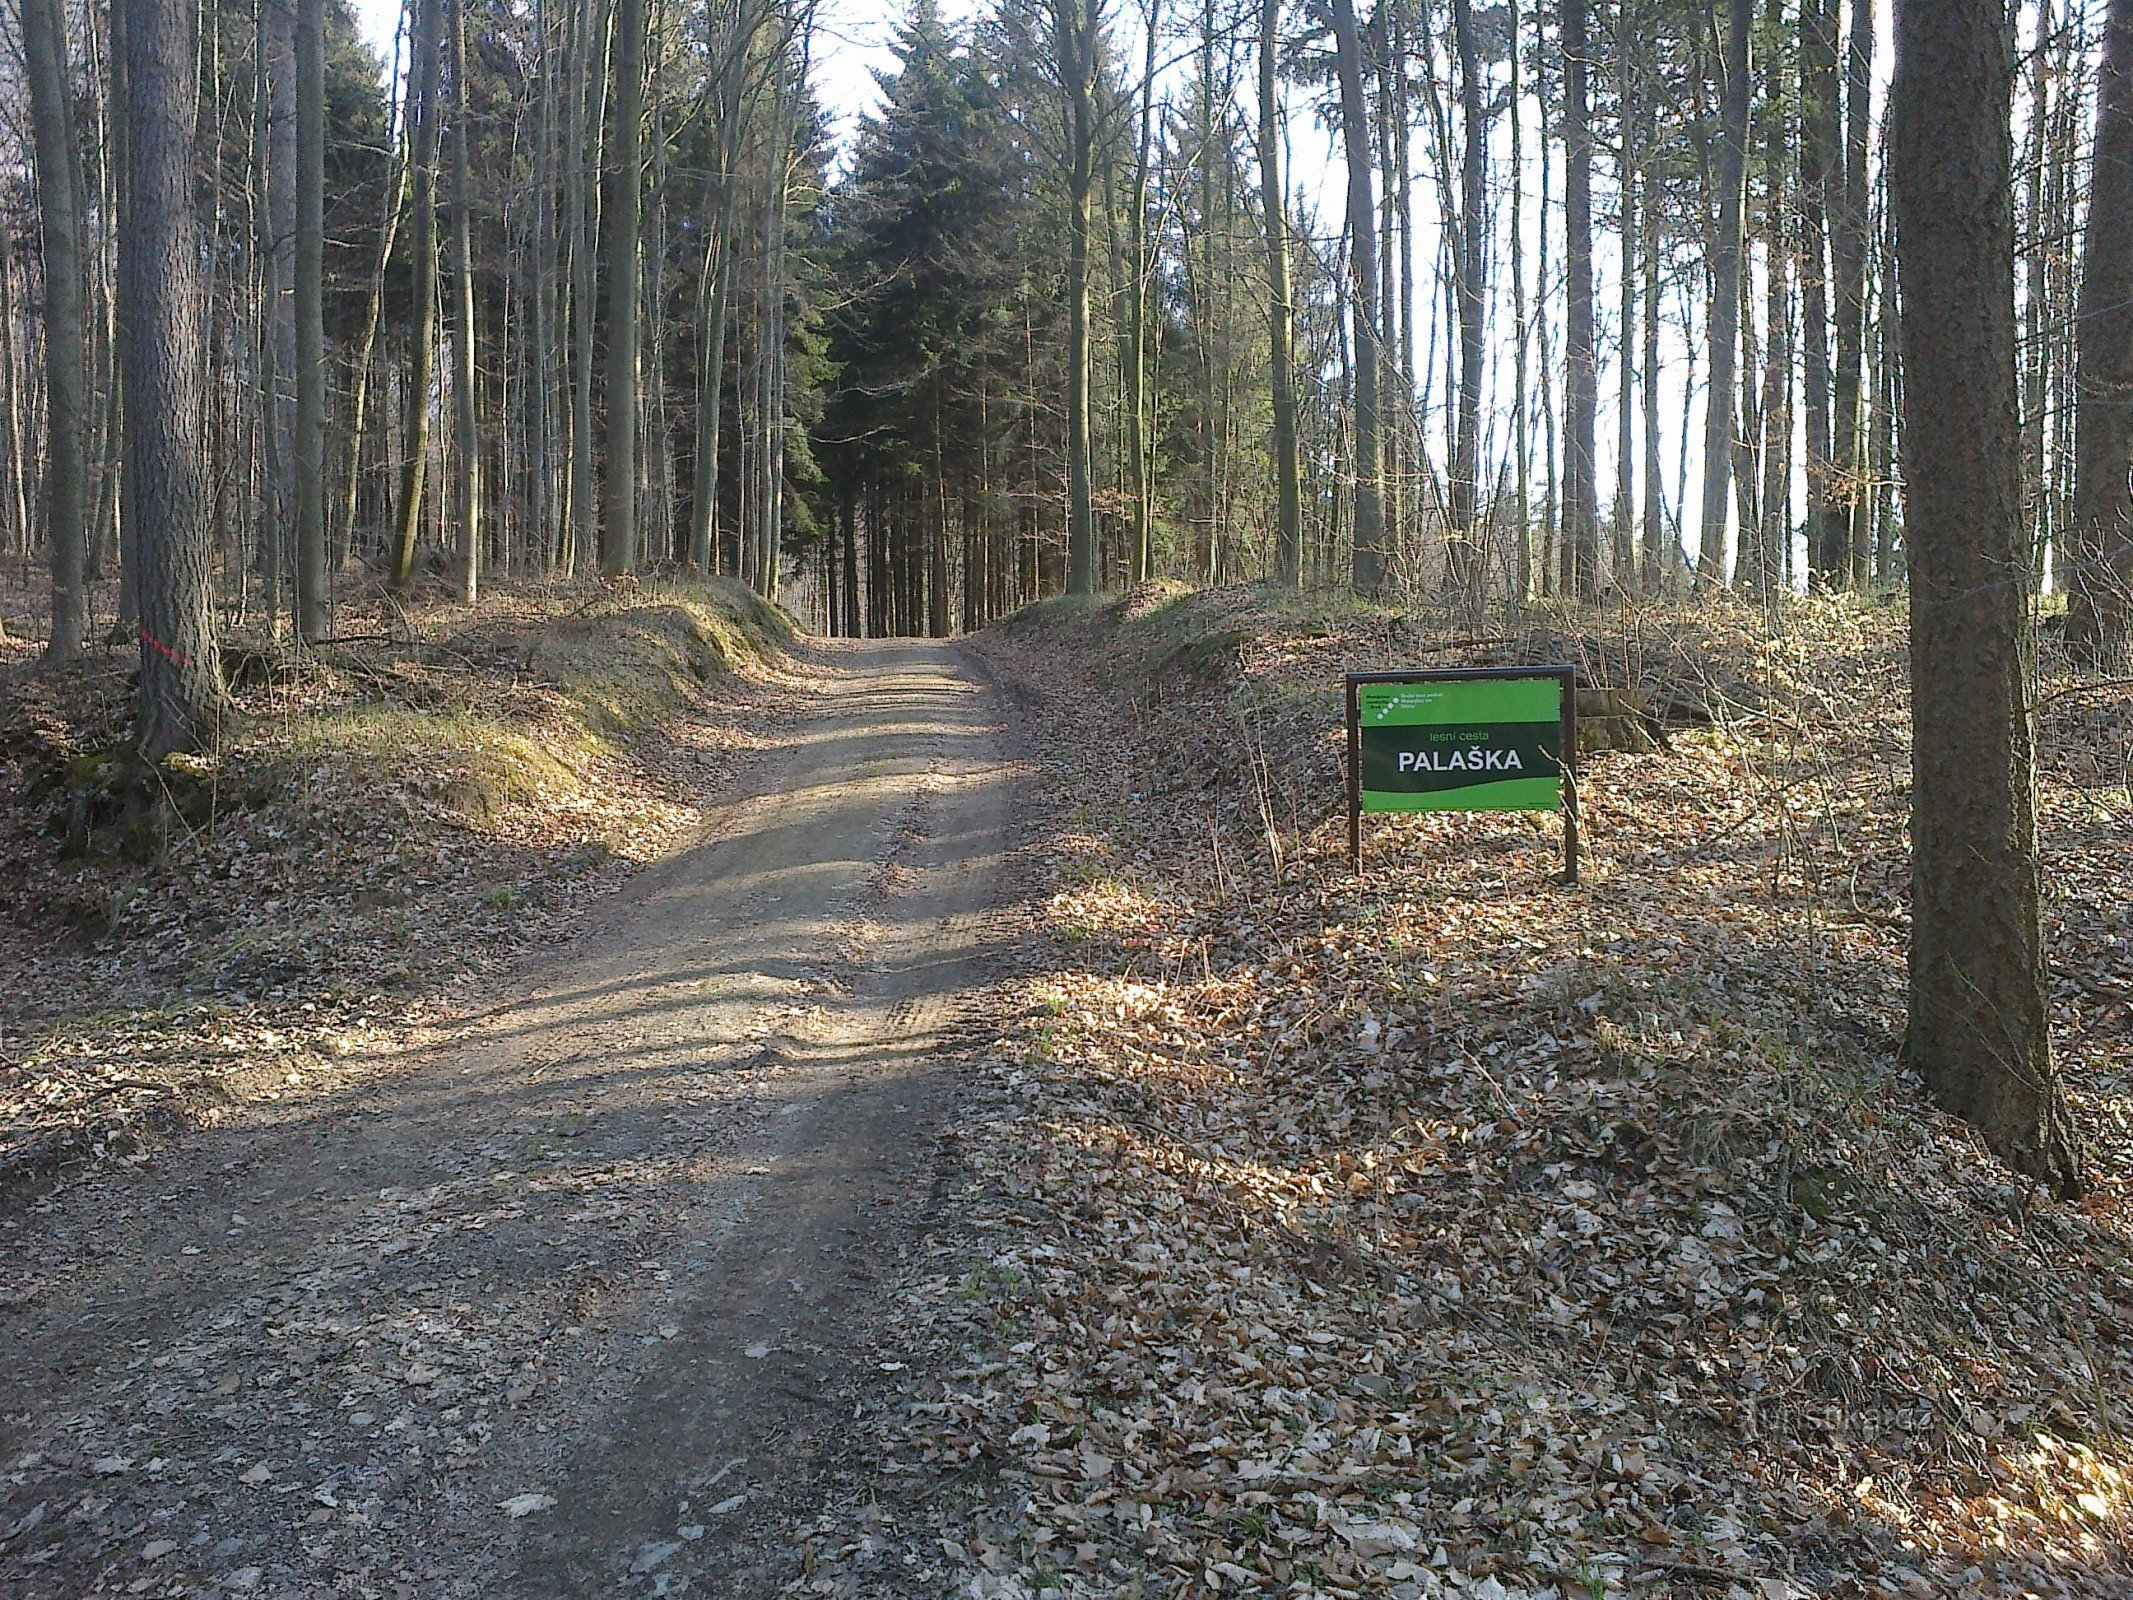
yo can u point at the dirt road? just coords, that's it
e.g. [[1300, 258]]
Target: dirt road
[[566, 1303]]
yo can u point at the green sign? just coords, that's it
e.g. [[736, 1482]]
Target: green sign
[[1477, 744], [1467, 739]]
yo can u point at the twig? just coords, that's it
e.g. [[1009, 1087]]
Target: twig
[[2078, 688]]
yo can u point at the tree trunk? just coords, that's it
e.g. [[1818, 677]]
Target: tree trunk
[[1818, 176], [310, 443], [1470, 265], [1768, 553], [1581, 382], [1847, 248], [1979, 1004], [1281, 307], [1720, 399], [589, 120], [1521, 445], [181, 692], [1621, 547], [466, 436], [1077, 25], [624, 210], [1368, 570], [2099, 611], [422, 251], [66, 413], [366, 346], [276, 552]]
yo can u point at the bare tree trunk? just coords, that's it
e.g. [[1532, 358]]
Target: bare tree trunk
[[65, 362], [2099, 612], [1848, 246], [279, 45], [1979, 1024], [1470, 266], [14, 493], [310, 442], [1621, 548], [181, 692], [1818, 176], [467, 440], [422, 248], [588, 110], [1581, 379], [624, 208], [1076, 27], [1521, 444], [1368, 571], [366, 346], [1654, 556], [1721, 398], [1281, 306]]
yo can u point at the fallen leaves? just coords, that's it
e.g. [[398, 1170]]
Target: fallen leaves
[[1447, 1232]]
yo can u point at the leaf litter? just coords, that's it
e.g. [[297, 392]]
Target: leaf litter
[[1450, 1232]]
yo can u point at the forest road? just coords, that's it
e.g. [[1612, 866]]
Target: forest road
[[572, 1300]]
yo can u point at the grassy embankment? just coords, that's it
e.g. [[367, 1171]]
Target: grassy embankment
[[394, 813]]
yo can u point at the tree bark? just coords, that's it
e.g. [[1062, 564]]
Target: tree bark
[[65, 361], [1818, 176], [1281, 307], [276, 546], [422, 250], [1979, 1005], [1720, 399], [1368, 568], [2099, 611], [1470, 266], [466, 434], [310, 441], [1581, 380], [181, 692], [1847, 249], [623, 215], [1076, 26]]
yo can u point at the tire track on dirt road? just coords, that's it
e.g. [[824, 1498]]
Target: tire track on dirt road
[[567, 1304]]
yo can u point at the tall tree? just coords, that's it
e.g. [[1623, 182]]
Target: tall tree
[[1078, 40], [623, 216], [466, 436], [310, 347], [1726, 250], [2099, 613], [1819, 176], [1979, 1006], [1848, 240], [422, 249], [1368, 363], [1281, 308], [65, 363], [181, 690], [1470, 247], [1581, 378]]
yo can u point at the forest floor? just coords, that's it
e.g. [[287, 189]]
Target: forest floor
[[997, 1147], [1448, 1231]]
